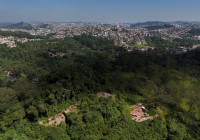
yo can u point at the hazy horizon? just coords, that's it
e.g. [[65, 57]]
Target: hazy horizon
[[126, 11], [39, 22]]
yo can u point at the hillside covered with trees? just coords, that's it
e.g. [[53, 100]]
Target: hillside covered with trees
[[40, 79]]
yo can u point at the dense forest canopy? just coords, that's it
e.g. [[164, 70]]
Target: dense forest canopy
[[158, 42], [50, 75], [20, 35]]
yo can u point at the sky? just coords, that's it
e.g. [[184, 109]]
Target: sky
[[126, 11]]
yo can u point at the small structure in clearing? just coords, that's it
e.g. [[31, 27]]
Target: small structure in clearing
[[104, 94], [139, 113], [11, 77], [59, 118]]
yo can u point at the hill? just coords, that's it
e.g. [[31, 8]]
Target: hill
[[43, 25], [155, 27], [160, 23], [149, 23], [21, 25]]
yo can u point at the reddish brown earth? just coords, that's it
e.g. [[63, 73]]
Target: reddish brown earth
[[139, 114]]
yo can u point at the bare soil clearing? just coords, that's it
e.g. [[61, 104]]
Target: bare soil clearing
[[139, 113], [104, 95], [59, 118]]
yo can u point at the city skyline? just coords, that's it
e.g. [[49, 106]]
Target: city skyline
[[126, 11]]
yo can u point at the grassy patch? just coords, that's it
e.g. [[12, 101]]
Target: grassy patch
[[51, 42], [140, 46]]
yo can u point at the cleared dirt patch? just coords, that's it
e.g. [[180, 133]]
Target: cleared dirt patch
[[104, 94], [139, 113], [59, 118]]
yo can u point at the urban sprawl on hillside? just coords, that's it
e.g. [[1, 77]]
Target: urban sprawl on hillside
[[125, 35]]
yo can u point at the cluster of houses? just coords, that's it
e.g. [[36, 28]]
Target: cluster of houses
[[122, 35], [10, 41]]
